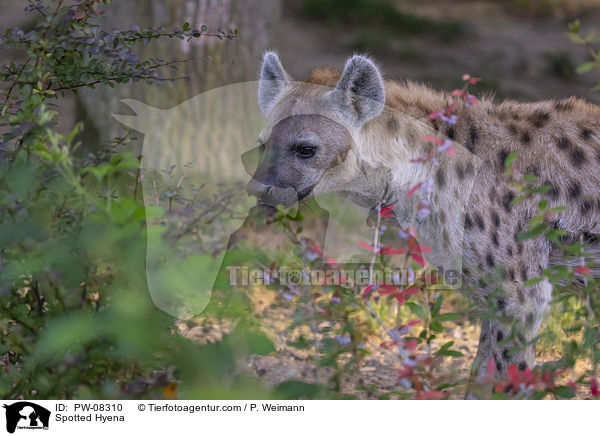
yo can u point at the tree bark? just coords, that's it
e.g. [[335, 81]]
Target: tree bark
[[214, 62]]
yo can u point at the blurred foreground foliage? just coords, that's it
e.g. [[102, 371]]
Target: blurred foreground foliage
[[76, 317]]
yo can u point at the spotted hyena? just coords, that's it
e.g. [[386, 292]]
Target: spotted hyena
[[355, 134]]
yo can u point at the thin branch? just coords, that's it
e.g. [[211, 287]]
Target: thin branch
[[172, 35], [4, 106], [126, 76]]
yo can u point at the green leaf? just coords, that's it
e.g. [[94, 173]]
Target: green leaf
[[588, 66], [186, 26], [417, 309], [510, 159], [448, 317], [436, 326], [451, 353], [533, 281], [532, 233], [250, 342], [564, 392], [538, 395], [446, 346], [437, 306], [295, 389]]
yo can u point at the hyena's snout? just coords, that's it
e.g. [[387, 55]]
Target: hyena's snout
[[258, 189], [271, 195]]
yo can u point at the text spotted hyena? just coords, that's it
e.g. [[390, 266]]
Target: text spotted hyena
[[354, 134]]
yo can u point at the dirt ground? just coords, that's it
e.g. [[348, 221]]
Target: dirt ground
[[378, 374]]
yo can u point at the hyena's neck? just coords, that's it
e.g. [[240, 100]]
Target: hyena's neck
[[393, 144]]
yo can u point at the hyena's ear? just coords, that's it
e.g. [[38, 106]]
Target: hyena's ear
[[273, 80], [360, 90]]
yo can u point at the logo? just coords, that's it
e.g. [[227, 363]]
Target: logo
[[26, 415]]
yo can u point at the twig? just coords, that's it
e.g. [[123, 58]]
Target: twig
[[585, 280]]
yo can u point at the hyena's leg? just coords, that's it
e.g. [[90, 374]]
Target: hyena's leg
[[508, 339]]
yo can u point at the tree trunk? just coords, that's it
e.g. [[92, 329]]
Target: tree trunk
[[214, 62]]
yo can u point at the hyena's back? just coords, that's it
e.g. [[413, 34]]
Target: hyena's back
[[557, 141]]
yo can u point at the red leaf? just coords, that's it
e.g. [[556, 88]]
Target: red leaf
[[332, 262], [594, 388], [431, 395], [391, 250], [434, 278], [387, 289], [413, 322], [400, 298], [365, 245], [457, 92], [499, 388], [386, 211], [411, 345], [472, 99], [513, 373], [315, 247], [450, 109], [422, 249], [438, 141], [413, 290], [367, 290], [405, 372], [418, 259], [583, 270], [413, 190]]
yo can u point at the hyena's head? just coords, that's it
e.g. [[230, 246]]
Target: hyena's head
[[311, 130]]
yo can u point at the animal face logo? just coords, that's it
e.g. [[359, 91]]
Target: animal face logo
[[26, 415], [221, 136], [286, 142]]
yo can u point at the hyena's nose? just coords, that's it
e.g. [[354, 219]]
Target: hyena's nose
[[258, 189]]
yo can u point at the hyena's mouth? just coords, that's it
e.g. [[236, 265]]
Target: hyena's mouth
[[284, 196], [269, 195], [305, 194]]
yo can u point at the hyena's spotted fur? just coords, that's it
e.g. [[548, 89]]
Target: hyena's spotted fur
[[363, 149]]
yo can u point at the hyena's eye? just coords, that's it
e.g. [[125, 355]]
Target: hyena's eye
[[306, 151]]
